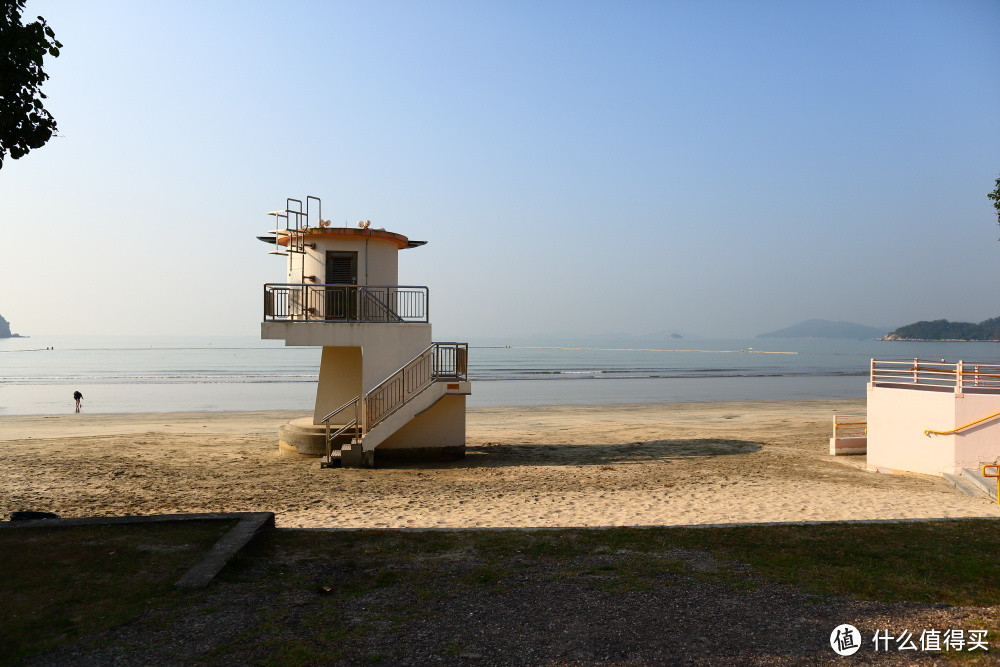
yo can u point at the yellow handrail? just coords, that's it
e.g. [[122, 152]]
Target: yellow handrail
[[956, 430], [996, 473]]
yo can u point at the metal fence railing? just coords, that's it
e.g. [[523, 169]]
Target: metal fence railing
[[290, 302], [850, 426], [451, 360], [959, 376]]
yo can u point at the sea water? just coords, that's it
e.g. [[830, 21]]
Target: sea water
[[38, 375]]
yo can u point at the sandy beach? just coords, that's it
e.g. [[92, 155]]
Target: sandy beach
[[638, 465]]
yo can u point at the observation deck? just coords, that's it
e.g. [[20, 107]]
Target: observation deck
[[347, 315]]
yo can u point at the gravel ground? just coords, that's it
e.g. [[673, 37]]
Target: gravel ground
[[672, 607]]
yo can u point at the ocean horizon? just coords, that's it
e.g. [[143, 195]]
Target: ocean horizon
[[128, 374]]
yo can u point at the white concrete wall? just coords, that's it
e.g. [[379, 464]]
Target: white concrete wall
[[378, 261], [848, 446], [443, 425], [340, 372], [388, 353], [980, 443], [347, 334], [897, 419]]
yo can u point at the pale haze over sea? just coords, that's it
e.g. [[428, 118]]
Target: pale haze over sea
[[715, 168]]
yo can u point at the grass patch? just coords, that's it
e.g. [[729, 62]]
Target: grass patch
[[65, 582], [931, 562], [927, 562]]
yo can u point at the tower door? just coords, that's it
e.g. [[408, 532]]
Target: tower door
[[341, 269]]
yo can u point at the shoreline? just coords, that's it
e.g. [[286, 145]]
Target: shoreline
[[84, 418], [633, 404], [27, 400], [939, 340]]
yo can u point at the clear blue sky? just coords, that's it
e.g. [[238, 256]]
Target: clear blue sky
[[718, 168]]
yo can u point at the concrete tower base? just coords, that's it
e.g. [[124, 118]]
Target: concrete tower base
[[300, 438]]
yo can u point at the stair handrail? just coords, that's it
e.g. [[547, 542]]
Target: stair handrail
[[376, 407], [354, 423], [411, 379], [995, 473], [928, 432]]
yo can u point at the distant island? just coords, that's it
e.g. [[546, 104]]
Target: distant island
[[5, 329], [945, 330], [826, 329]]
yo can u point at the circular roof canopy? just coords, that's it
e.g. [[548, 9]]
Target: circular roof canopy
[[281, 236]]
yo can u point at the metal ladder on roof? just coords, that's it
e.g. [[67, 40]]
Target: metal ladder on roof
[[293, 222]]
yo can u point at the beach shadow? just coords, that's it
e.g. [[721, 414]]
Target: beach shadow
[[591, 455]]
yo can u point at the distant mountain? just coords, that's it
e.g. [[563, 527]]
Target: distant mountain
[[5, 329], [826, 329], [945, 330]]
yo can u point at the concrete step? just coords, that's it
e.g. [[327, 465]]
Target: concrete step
[[985, 484], [300, 437], [333, 461], [964, 485]]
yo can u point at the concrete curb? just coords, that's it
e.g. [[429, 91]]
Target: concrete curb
[[230, 544], [691, 526], [250, 526]]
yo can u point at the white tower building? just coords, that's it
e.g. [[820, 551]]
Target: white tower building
[[385, 390]]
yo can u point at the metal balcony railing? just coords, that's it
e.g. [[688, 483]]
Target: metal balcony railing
[[290, 302], [959, 377]]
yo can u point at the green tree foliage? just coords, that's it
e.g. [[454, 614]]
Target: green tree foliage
[[24, 122], [995, 196], [945, 330]]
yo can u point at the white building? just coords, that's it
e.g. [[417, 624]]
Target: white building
[[933, 417], [385, 389]]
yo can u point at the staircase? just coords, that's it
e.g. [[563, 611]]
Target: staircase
[[971, 482], [393, 403]]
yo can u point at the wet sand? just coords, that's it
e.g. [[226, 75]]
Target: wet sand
[[639, 465]]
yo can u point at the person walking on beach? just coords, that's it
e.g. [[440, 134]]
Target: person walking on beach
[[77, 396]]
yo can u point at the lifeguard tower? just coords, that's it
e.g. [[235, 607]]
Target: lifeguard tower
[[385, 390]]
